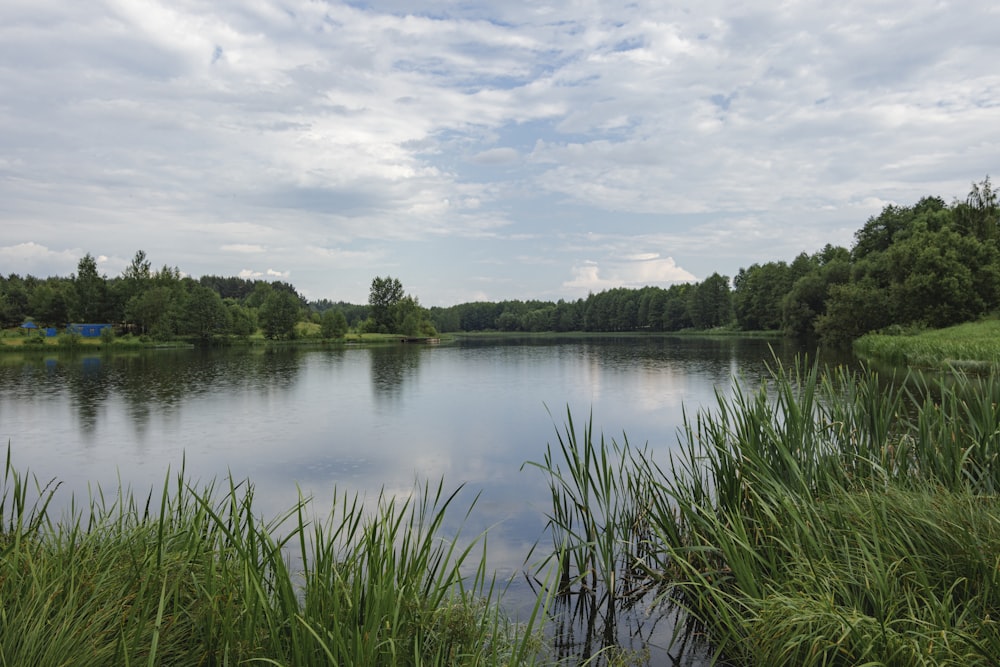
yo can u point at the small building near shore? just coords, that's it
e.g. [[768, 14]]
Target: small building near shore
[[87, 330]]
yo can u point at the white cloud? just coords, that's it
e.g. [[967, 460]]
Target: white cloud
[[719, 135], [636, 271], [251, 274], [31, 258]]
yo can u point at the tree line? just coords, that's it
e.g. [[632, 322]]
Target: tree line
[[164, 304], [930, 264], [160, 304]]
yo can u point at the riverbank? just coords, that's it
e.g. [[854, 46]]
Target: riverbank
[[720, 332], [309, 337], [971, 346], [17, 342]]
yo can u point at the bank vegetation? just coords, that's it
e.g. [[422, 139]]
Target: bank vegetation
[[819, 518]]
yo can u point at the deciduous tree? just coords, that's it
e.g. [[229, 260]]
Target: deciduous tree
[[333, 324], [279, 314], [383, 296]]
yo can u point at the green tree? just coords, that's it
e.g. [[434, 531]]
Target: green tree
[[384, 295], [852, 310], [807, 298], [757, 295], [979, 214], [279, 314], [135, 279], [676, 315], [941, 278], [333, 324], [14, 304], [47, 302], [446, 319], [205, 315], [153, 312], [710, 302], [243, 320], [90, 292], [410, 318]]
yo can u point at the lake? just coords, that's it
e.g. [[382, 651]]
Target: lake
[[363, 419]]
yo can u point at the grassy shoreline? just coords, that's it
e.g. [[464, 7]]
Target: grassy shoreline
[[62, 342], [309, 337], [973, 346]]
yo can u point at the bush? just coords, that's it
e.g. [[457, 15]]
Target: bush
[[35, 340], [69, 339]]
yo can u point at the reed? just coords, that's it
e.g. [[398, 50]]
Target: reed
[[824, 517], [195, 577], [599, 530]]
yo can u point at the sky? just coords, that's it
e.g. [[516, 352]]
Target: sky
[[479, 150]]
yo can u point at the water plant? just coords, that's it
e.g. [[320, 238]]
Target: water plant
[[822, 517], [599, 526], [195, 577]]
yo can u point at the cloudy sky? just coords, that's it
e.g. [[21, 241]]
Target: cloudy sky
[[479, 150]]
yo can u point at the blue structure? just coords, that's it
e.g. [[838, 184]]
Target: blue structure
[[31, 326], [88, 330]]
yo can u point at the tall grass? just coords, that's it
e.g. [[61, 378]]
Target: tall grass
[[195, 577], [598, 532], [821, 518], [968, 346]]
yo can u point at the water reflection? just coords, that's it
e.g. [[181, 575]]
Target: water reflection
[[145, 384], [88, 389], [391, 367]]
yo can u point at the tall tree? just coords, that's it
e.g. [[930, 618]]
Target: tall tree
[[91, 292], [135, 279], [47, 303], [384, 294], [979, 215], [757, 295], [710, 302], [205, 315], [279, 314]]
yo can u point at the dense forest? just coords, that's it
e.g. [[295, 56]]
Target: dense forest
[[931, 264]]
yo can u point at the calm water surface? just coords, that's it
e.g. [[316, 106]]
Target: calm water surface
[[361, 419]]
